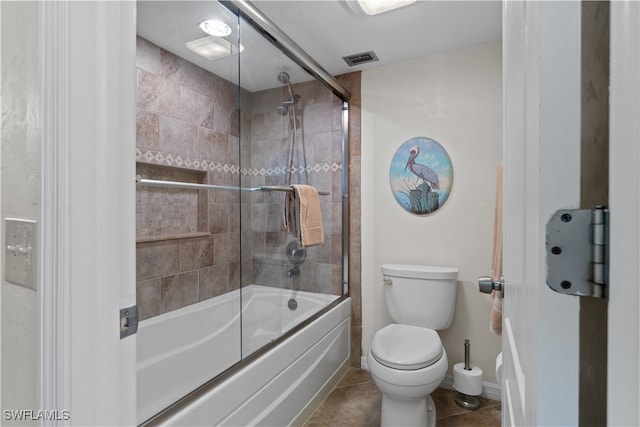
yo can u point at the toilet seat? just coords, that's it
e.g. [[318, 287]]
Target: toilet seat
[[406, 347]]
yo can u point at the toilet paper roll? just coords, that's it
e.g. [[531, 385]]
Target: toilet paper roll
[[467, 382]]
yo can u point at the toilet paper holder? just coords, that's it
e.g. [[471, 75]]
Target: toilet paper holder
[[467, 365], [467, 380]]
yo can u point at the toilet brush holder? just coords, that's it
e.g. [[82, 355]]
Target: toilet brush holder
[[467, 380]]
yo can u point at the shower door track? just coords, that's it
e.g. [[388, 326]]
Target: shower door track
[[195, 186]]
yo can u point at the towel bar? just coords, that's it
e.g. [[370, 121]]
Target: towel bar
[[195, 186]]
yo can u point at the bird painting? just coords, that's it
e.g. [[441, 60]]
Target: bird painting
[[421, 183], [423, 172]]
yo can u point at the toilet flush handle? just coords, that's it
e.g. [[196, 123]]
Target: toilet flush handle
[[387, 281]]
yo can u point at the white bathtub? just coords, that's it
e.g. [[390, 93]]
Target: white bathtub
[[180, 350]]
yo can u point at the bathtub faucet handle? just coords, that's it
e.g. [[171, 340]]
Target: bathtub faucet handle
[[293, 271], [296, 253]]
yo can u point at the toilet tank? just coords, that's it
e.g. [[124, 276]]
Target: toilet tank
[[420, 295]]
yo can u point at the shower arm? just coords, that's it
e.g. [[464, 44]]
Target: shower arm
[[194, 186]]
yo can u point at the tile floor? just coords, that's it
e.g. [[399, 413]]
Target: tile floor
[[355, 402]]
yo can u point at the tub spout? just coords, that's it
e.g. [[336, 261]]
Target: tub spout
[[293, 271]]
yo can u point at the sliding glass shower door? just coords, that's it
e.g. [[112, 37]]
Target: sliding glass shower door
[[291, 134], [188, 236], [227, 126]]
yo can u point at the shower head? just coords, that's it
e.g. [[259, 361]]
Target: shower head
[[283, 77], [282, 110]]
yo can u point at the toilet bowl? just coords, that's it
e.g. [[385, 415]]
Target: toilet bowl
[[407, 363], [406, 359]]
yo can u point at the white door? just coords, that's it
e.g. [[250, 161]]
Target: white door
[[623, 388], [541, 175], [541, 44], [87, 261]]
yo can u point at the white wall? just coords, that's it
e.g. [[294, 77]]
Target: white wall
[[456, 99], [20, 193]]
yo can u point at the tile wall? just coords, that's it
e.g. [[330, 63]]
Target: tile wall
[[189, 242], [352, 82], [318, 134]]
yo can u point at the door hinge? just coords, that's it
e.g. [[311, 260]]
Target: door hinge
[[128, 321], [578, 253]]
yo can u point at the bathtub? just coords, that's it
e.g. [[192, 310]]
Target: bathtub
[[179, 351]]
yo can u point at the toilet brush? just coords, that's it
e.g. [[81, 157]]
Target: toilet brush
[[467, 380]]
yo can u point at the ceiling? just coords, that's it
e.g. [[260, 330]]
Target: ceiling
[[327, 30]]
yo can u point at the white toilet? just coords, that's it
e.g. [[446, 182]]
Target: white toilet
[[406, 358]]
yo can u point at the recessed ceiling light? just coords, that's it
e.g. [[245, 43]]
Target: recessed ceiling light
[[212, 47], [215, 27], [374, 7]]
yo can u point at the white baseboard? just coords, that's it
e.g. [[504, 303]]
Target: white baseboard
[[491, 391]]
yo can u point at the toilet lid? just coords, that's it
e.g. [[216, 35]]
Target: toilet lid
[[406, 347]]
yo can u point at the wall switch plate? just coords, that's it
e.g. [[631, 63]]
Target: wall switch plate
[[20, 252]]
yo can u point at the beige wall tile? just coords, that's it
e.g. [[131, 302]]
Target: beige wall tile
[[147, 130], [157, 95], [178, 290], [214, 281], [157, 259], [178, 70], [148, 298], [196, 253], [147, 56]]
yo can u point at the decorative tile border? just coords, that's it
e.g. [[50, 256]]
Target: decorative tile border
[[166, 159]]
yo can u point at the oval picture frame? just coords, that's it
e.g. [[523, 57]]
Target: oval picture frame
[[421, 175]]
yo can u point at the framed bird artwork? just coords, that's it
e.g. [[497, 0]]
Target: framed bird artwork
[[421, 175]]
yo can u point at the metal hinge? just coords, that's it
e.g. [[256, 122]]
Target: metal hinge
[[128, 321], [577, 252]]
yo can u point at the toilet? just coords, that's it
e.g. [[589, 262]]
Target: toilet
[[406, 358]]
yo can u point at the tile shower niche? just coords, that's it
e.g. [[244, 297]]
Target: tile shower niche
[[175, 262], [170, 213]]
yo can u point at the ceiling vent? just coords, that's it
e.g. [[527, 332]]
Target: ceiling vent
[[360, 58]]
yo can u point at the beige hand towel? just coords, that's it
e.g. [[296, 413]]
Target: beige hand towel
[[303, 216], [495, 318]]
